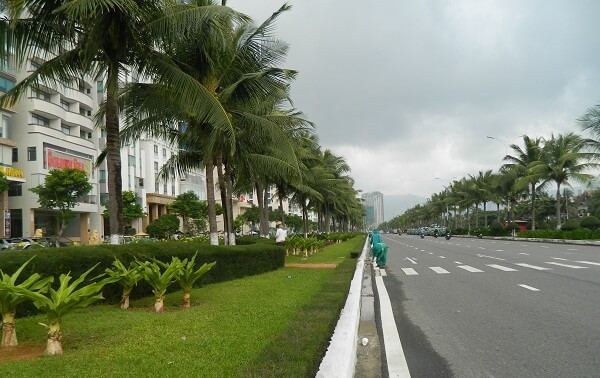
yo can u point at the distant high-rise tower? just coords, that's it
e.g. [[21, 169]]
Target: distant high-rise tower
[[373, 203]]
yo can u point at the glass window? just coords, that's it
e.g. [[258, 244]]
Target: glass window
[[103, 198], [102, 174], [164, 152], [6, 84], [155, 166], [39, 120], [31, 154], [165, 187], [131, 161], [15, 189], [4, 127], [65, 105], [155, 149], [15, 155], [37, 93], [156, 185], [65, 129]]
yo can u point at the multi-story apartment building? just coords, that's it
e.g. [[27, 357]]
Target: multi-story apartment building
[[373, 203]]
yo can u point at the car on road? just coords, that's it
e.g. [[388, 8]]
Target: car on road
[[5, 244]]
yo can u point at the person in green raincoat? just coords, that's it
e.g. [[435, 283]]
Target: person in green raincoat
[[379, 251]]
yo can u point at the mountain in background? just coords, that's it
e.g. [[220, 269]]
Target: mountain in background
[[394, 205]]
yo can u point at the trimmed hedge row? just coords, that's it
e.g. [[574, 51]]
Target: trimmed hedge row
[[232, 262]]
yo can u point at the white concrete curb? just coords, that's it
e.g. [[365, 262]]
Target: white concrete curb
[[340, 358]]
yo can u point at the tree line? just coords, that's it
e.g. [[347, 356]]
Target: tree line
[[535, 166], [199, 75]]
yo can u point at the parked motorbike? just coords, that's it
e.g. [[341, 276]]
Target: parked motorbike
[[480, 236], [448, 236]]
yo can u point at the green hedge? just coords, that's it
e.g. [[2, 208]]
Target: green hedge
[[232, 262]]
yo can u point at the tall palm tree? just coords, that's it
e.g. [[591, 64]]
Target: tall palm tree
[[101, 39], [235, 64], [563, 158], [590, 122], [522, 161]]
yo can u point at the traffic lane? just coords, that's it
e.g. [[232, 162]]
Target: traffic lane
[[568, 280], [484, 325], [582, 264]]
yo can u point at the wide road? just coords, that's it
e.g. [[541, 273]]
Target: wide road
[[492, 308]]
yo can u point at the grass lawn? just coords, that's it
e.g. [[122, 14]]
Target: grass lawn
[[276, 324]]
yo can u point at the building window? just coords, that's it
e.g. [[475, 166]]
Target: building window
[[164, 152], [103, 198], [102, 174], [65, 105], [31, 154], [141, 182], [39, 120], [155, 149], [15, 155], [173, 188], [99, 86], [102, 133], [165, 187], [6, 84], [65, 129], [4, 127], [15, 189], [156, 185], [155, 166], [131, 160], [39, 94]]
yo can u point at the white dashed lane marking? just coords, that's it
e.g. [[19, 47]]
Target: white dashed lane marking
[[504, 268], [438, 269], [529, 287]]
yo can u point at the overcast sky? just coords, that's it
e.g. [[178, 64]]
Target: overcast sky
[[407, 91]]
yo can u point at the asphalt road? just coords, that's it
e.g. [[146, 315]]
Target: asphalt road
[[491, 308]]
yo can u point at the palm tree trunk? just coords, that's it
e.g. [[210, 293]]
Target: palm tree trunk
[[186, 301], [558, 205], [223, 192], [125, 298], [113, 157], [533, 207], [263, 215], [210, 199], [485, 221], [228, 187], [9, 334], [54, 342]]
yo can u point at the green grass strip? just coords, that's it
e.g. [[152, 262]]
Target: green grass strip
[[282, 319]]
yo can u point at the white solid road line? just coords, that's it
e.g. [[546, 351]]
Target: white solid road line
[[529, 287], [411, 260], [470, 269], [567, 265], [588, 262], [532, 266], [504, 268], [394, 353], [438, 269]]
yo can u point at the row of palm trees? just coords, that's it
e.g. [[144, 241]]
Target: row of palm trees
[[535, 165], [210, 82]]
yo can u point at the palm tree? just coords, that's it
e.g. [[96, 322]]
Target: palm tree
[[522, 161], [235, 64], [563, 159], [590, 121], [100, 39]]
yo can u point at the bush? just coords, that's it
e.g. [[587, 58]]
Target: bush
[[163, 227], [232, 262], [570, 225], [496, 229], [591, 223]]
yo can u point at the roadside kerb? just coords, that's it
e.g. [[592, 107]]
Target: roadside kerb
[[340, 358], [536, 240]]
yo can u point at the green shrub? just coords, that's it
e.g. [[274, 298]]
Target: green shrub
[[591, 223], [232, 261], [570, 225], [496, 229]]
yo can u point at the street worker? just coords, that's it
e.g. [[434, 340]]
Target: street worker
[[280, 234], [379, 251], [375, 237]]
